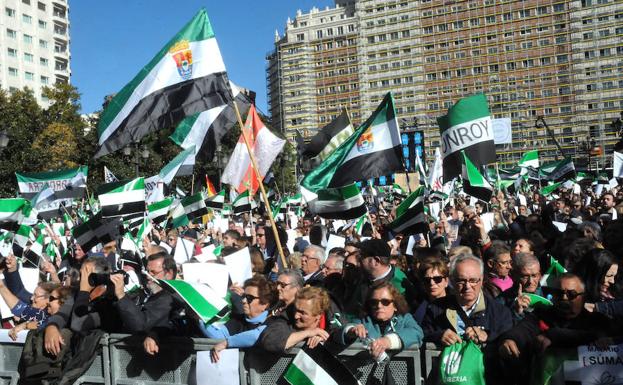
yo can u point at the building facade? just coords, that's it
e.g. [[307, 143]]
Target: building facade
[[34, 45], [555, 67]]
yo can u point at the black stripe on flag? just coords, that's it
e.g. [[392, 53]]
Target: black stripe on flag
[[331, 364], [85, 236], [324, 135], [369, 166], [128, 210], [167, 107]]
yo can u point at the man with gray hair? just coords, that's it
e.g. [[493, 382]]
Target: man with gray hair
[[311, 265], [470, 314], [526, 277]]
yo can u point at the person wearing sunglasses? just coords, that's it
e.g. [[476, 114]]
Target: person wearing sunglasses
[[469, 314], [55, 300], [243, 330], [386, 324], [433, 274], [566, 324]]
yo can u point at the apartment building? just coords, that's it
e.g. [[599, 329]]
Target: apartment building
[[34, 44], [555, 67]]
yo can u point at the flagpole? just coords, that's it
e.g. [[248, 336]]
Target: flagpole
[[262, 190], [192, 185]]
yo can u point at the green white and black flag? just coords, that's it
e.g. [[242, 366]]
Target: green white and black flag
[[200, 298], [194, 206], [216, 201], [317, 367], [204, 130], [181, 165], [186, 77], [158, 211], [373, 150], [529, 159], [410, 216], [243, 203], [560, 171], [467, 127], [339, 203], [122, 199], [474, 183], [329, 138], [11, 212]]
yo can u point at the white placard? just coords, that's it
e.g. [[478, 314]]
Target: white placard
[[334, 241], [222, 224], [522, 200], [184, 250], [223, 372], [30, 280], [166, 247], [612, 183], [4, 336], [502, 132], [239, 266], [207, 254], [291, 239], [215, 275], [561, 226], [594, 365], [488, 220]]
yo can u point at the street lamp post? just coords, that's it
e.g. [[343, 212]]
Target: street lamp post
[[143, 153]]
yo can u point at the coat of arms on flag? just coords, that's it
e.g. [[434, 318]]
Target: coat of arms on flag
[[183, 56]]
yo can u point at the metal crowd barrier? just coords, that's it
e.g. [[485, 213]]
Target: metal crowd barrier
[[122, 361]]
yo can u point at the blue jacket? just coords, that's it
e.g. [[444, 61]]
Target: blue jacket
[[238, 333], [404, 326]]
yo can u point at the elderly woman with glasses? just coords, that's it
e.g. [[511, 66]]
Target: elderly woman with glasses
[[243, 330], [387, 324], [36, 310], [433, 274], [55, 300]]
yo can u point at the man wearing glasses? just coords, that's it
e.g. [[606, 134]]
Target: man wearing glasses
[[469, 314], [311, 265], [565, 324]]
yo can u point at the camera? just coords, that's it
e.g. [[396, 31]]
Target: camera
[[97, 279]]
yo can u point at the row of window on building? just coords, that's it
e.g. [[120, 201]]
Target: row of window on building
[[28, 39], [27, 19], [59, 11], [29, 76]]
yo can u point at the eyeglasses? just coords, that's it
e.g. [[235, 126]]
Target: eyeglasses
[[349, 265], [283, 284], [436, 279], [171, 239], [259, 235], [464, 282], [560, 294], [504, 263], [53, 298], [249, 298], [384, 301]]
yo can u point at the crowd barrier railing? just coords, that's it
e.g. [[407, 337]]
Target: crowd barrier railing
[[122, 361]]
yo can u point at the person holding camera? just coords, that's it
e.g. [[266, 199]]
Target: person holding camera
[[154, 315]]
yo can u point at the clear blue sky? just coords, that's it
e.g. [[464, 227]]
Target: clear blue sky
[[112, 40]]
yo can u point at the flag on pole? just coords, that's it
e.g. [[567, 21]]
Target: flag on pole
[[529, 159], [373, 150], [239, 172], [423, 179], [194, 206], [23, 235], [558, 171], [125, 198], [43, 197], [204, 130], [143, 231], [329, 137], [474, 183], [318, 367], [201, 299], [11, 212], [216, 201], [339, 203], [547, 190], [187, 76], [109, 177], [410, 216], [435, 177], [158, 211], [181, 165], [467, 127], [178, 216], [211, 191], [243, 203]]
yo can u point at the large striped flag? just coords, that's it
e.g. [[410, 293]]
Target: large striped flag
[[410, 216], [318, 367], [529, 159], [468, 127], [204, 130], [201, 299], [122, 199], [178, 217], [339, 203], [158, 211], [239, 172], [186, 77], [558, 171], [11, 212], [474, 183], [181, 165], [373, 150]]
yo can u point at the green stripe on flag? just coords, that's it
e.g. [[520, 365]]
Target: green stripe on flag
[[296, 376], [465, 110], [201, 298]]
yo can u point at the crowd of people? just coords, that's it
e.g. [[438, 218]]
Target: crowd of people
[[460, 281]]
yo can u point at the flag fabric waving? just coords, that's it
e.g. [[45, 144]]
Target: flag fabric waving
[[201, 299], [210, 190], [617, 165], [318, 367], [468, 127], [329, 137], [158, 211], [216, 201], [373, 150], [109, 177], [339, 203], [435, 176], [410, 216], [181, 165], [122, 199], [474, 183], [187, 76], [239, 172], [530, 159], [194, 206], [205, 130], [243, 203]]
